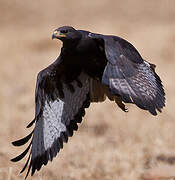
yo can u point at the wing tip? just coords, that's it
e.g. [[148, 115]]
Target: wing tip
[[22, 155], [22, 141], [30, 124]]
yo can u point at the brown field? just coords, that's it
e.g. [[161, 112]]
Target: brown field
[[110, 144]]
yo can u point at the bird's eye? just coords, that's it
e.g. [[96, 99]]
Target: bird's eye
[[64, 31]]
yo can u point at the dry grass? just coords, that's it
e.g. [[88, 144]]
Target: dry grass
[[109, 144]]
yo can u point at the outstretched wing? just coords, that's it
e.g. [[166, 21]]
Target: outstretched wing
[[129, 76], [59, 107]]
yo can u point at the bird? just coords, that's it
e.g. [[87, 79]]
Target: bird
[[90, 68]]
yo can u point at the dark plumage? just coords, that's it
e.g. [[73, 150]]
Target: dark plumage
[[89, 68]]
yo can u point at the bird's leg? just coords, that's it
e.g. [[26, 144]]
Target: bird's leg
[[120, 103]]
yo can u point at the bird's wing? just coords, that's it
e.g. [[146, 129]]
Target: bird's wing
[[131, 77], [59, 107]]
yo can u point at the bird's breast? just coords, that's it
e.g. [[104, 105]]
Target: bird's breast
[[88, 57]]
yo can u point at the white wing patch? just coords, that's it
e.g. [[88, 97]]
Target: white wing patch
[[53, 126], [57, 115]]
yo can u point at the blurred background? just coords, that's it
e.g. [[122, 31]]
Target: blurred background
[[109, 144]]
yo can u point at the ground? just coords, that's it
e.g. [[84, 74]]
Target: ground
[[109, 144]]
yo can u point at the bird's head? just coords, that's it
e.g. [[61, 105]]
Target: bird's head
[[66, 34]]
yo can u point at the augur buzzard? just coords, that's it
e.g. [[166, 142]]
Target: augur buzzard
[[89, 68]]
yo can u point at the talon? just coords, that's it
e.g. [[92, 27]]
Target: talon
[[120, 104]]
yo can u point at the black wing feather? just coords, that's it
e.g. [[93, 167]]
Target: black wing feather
[[22, 141], [22, 155], [27, 162], [74, 99]]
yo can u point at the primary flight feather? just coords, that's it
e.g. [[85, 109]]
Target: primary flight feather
[[89, 68]]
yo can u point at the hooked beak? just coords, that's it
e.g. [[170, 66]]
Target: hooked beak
[[57, 35]]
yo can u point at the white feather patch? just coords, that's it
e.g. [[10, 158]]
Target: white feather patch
[[57, 114]]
